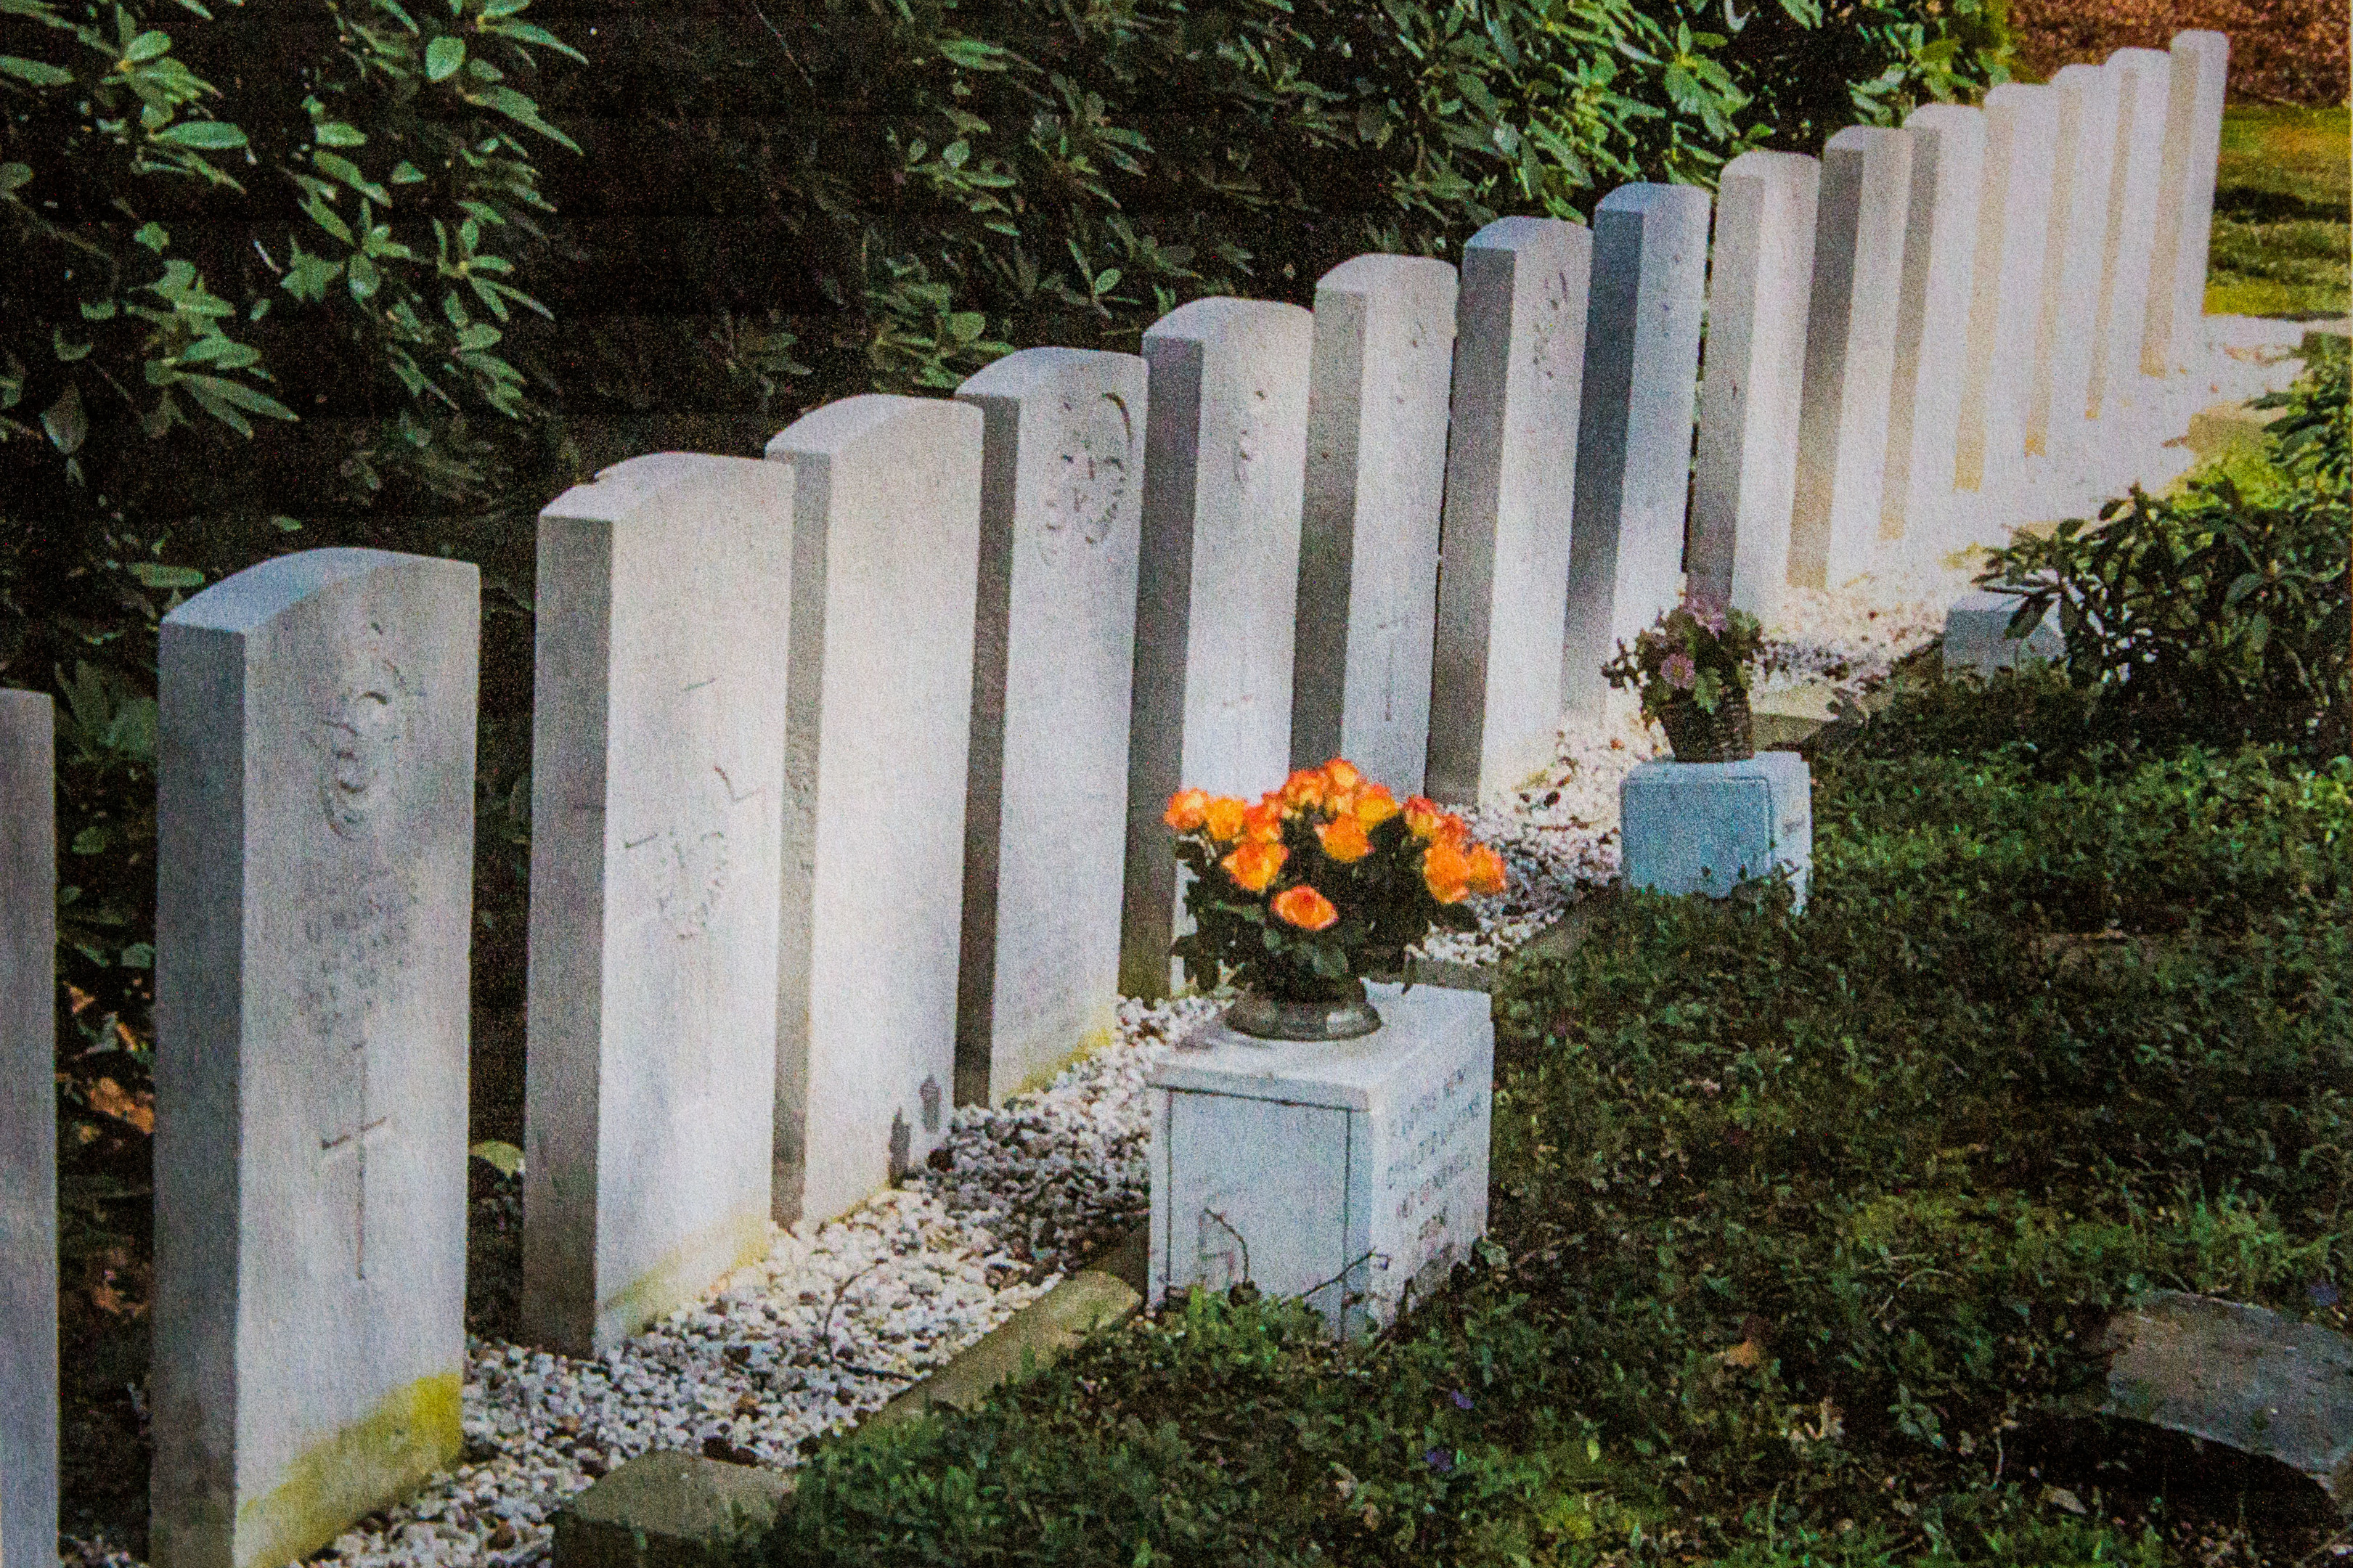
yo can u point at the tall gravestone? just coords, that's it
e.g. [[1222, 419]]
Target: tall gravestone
[[2083, 169], [1053, 656], [1747, 466], [314, 897], [1634, 424], [878, 710], [2120, 321], [2200, 70], [1931, 323], [1224, 465], [2005, 295], [1851, 323], [657, 736], [1376, 471], [28, 1120], [1511, 472]]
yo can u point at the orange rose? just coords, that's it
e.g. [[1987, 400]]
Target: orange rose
[[1422, 816], [1262, 822], [1344, 839], [1304, 789], [1254, 865], [1486, 871], [1224, 817], [1188, 808], [1374, 805], [1340, 774], [1305, 908], [1454, 830], [1446, 871]]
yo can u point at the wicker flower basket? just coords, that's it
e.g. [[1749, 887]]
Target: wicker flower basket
[[1696, 735]]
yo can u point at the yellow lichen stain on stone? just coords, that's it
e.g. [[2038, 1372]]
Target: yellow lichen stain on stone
[[1092, 1041], [375, 1461], [684, 1273]]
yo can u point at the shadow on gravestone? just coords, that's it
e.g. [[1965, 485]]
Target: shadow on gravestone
[[314, 892], [28, 1154], [657, 788]]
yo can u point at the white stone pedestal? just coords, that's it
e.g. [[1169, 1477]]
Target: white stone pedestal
[[1701, 828], [1976, 634], [1352, 1172]]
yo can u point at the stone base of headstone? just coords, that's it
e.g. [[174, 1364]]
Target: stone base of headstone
[[1352, 1173], [670, 1510], [1704, 827], [1977, 636]]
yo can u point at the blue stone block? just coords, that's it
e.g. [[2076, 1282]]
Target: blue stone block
[[1703, 827]]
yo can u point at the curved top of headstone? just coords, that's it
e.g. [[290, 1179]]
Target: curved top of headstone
[[834, 430], [1380, 269], [1206, 320], [618, 492], [2079, 73], [1770, 166], [1033, 371], [2203, 39], [1863, 138], [2031, 102], [1520, 232], [259, 594], [1943, 119], [2144, 59], [1642, 198]]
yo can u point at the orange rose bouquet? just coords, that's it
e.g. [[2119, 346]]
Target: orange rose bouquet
[[1319, 883]]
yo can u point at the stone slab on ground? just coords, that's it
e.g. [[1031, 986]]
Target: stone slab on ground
[[1053, 657], [1704, 827], [1849, 354], [28, 1122], [670, 1510], [2242, 1376], [1376, 471], [1216, 591], [314, 901], [658, 752], [1350, 1172], [1041, 1334], [1744, 471], [877, 709], [1511, 476], [1977, 636], [1634, 426]]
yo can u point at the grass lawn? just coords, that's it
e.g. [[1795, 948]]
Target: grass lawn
[[2281, 212]]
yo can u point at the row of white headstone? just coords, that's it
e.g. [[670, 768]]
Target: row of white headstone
[[849, 763]]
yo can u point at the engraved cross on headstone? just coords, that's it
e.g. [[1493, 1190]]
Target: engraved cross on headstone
[[352, 1141]]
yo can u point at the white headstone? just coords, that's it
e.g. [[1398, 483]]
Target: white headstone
[[1376, 473], [2006, 293], [1511, 473], [1350, 1173], [1746, 477], [877, 709], [1224, 462], [315, 897], [28, 1121], [1054, 654], [2121, 318], [1866, 196], [657, 743], [1940, 247], [2084, 170], [1634, 428], [2176, 335]]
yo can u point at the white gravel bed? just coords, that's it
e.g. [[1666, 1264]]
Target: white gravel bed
[[835, 1321]]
